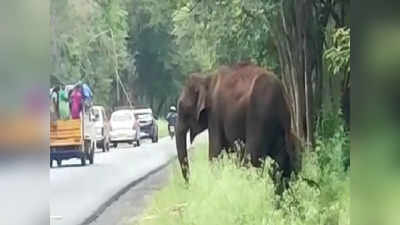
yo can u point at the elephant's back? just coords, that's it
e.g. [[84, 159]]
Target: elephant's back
[[238, 82], [256, 91], [267, 102], [238, 92]]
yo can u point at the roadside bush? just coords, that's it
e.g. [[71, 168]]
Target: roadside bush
[[224, 193]]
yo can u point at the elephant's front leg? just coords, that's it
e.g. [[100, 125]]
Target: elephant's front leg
[[215, 141]]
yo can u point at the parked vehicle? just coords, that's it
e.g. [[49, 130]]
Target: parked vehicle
[[124, 128], [72, 138], [147, 122], [101, 125]]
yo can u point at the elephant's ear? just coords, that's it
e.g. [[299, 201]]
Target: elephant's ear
[[201, 102], [202, 89]]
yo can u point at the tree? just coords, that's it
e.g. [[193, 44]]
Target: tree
[[285, 36], [225, 32], [89, 44], [338, 60], [157, 59]]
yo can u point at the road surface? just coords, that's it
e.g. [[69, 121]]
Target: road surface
[[78, 192], [128, 209]]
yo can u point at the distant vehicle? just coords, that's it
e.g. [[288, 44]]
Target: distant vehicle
[[124, 128], [147, 122], [102, 127]]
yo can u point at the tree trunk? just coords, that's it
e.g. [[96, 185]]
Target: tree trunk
[[294, 33]]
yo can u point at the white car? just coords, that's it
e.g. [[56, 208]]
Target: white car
[[101, 125], [124, 128]]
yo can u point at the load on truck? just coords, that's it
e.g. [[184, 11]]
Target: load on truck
[[72, 133]]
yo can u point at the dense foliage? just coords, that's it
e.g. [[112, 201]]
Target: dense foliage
[[284, 36], [338, 55], [225, 32], [152, 45], [89, 44]]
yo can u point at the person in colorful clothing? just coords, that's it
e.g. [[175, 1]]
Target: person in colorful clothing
[[63, 105], [76, 99]]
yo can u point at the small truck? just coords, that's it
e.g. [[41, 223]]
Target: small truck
[[73, 138]]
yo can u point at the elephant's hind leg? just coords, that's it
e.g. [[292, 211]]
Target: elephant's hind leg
[[260, 141], [255, 144]]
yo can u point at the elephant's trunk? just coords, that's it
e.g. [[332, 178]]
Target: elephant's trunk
[[181, 132]]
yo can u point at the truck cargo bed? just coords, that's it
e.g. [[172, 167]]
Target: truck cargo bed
[[66, 133]]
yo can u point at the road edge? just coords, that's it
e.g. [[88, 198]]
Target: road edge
[[121, 192], [125, 189]]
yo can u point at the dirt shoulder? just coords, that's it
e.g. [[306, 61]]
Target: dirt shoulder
[[130, 205]]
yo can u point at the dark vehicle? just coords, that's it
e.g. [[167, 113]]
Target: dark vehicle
[[147, 122]]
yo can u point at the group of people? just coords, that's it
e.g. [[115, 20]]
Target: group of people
[[67, 101]]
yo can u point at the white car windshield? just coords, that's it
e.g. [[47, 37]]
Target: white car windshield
[[146, 116], [121, 117]]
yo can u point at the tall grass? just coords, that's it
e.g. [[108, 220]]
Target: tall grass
[[223, 193]]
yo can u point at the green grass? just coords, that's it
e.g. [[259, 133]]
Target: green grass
[[162, 128], [223, 193]]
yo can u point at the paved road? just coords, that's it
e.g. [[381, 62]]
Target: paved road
[[77, 192], [128, 209]]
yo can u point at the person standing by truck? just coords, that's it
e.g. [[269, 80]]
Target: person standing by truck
[[87, 96], [54, 103]]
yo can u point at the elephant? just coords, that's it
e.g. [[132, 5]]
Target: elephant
[[238, 102]]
